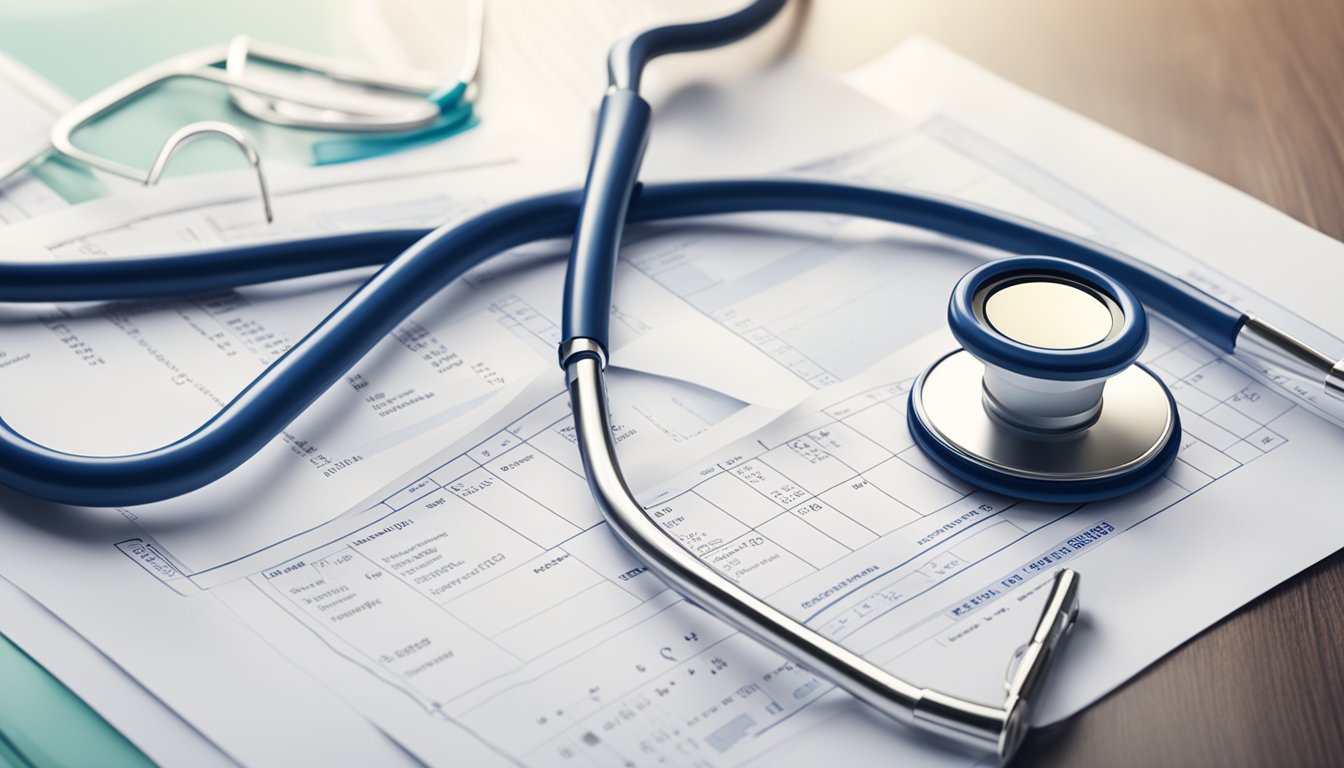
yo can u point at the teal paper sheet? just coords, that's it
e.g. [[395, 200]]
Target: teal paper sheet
[[44, 725]]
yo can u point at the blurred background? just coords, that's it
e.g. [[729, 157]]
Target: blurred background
[[1232, 87]]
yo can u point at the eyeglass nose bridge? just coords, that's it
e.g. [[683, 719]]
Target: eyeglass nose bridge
[[302, 110]]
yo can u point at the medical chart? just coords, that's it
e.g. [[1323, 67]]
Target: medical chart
[[479, 606], [31, 105], [485, 600], [127, 376], [489, 593]]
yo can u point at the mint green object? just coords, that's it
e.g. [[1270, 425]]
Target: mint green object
[[450, 96], [72, 181], [82, 46], [452, 122], [44, 725]]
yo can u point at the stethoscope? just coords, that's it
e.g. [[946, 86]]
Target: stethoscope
[[403, 110], [1045, 399]]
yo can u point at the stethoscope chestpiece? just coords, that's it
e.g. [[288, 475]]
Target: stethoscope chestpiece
[[1046, 399]]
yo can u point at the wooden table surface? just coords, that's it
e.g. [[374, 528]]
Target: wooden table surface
[[1252, 93]]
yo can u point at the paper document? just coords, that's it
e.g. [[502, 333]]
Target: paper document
[[167, 364], [477, 610], [488, 592], [144, 720], [830, 511], [31, 106]]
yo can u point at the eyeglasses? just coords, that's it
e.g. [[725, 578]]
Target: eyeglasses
[[405, 110]]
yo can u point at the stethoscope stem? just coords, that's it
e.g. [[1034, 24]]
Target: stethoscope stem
[[998, 729], [1261, 341]]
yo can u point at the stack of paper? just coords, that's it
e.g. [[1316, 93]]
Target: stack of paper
[[415, 571]]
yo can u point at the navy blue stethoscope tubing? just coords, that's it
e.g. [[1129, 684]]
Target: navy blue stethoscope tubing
[[199, 271], [623, 127], [430, 261], [626, 62]]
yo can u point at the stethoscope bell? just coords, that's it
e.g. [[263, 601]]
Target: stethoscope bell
[[1046, 400]]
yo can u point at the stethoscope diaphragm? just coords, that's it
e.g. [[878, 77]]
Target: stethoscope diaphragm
[[1046, 400]]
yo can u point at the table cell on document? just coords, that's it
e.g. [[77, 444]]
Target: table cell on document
[[446, 547], [735, 496], [1218, 380], [806, 463], [985, 542], [494, 447], [869, 506], [600, 550], [1205, 457], [863, 400], [510, 506], [1241, 452], [1192, 398], [1234, 421], [567, 620], [1178, 363], [759, 564], [374, 612], [1266, 439], [913, 488], [541, 477], [849, 445], [454, 470], [882, 424], [1195, 425], [1189, 478], [917, 458], [771, 483], [541, 418], [808, 543], [831, 522], [558, 442], [696, 523], [1258, 403], [524, 592], [547, 703]]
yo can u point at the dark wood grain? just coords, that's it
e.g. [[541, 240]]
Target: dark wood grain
[[1252, 93]]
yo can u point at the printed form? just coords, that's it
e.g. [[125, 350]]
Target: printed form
[[484, 599], [161, 367], [127, 376], [157, 730], [479, 606], [489, 593]]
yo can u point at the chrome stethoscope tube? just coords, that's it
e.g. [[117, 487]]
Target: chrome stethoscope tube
[[996, 728]]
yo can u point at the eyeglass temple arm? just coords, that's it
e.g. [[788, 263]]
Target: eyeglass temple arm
[[193, 131]]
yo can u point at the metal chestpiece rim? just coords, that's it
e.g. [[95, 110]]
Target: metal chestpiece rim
[[1044, 411]]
